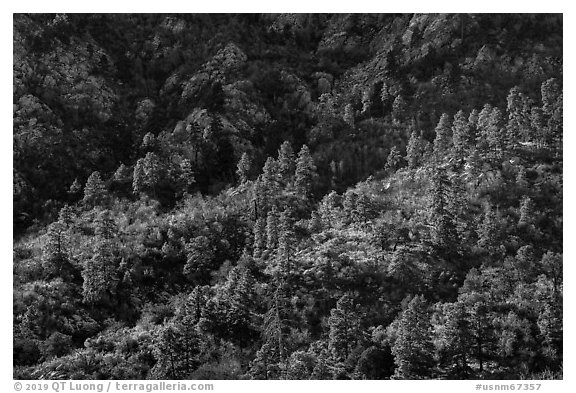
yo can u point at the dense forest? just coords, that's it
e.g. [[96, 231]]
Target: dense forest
[[287, 196]]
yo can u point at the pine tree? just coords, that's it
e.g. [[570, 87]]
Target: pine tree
[[177, 349], [328, 209], [75, 188], [489, 232], [344, 328], [285, 245], [399, 107], [185, 175], [413, 349], [349, 205], [272, 229], [199, 259], [66, 216], [526, 212], [286, 162], [462, 136], [148, 173], [95, 190], [414, 151], [518, 125], [305, 171], [349, 115], [444, 234], [442, 142], [259, 237], [243, 168], [393, 160], [454, 341], [55, 253], [99, 274]]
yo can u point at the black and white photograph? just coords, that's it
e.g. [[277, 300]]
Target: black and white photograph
[[287, 196]]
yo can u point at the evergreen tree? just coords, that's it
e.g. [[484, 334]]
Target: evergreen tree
[[454, 341], [518, 125], [285, 245], [413, 349], [272, 229], [259, 237], [349, 115], [199, 259], [344, 328], [444, 234], [526, 212], [55, 253], [286, 162], [489, 232], [305, 171], [95, 190], [177, 350], [463, 137], [99, 274], [243, 168], [414, 151], [393, 160], [442, 143]]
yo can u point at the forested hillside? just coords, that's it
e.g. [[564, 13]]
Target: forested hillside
[[287, 196]]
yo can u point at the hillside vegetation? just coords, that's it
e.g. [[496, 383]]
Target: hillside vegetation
[[288, 196]]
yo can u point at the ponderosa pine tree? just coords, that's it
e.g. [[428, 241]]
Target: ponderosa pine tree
[[286, 162], [454, 341], [94, 191], [55, 255], [272, 228], [147, 174], [199, 259], [259, 231], [414, 151], [285, 245], [443, 228], [413, 349], [443, 140], [99, 274], [344, 328], [178, 349], [305, 171], [463, 138], [393, 160], [518, 126], [243, 168]]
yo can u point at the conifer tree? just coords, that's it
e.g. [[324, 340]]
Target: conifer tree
[[442, 142], [454, 341], [349, 115], [199, 259], [305, 171], [414, 151], [413, 349], [285, 244], [259, 237], [95, 190], [55, 253], [286, 162], [488, 231], [185, 175], [344, 328], [518, 125], [462, 135], [393, 160], [328, 209], [526, 212], [444, 234], [243, 168], [272, 229]]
